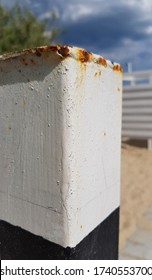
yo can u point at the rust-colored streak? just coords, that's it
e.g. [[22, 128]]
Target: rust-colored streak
[[102, 61], [98, 73], [117, 67], [84, 55]]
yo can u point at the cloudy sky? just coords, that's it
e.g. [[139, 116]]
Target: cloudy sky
[[120, 30]]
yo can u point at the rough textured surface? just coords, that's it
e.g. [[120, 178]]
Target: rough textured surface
[[60, 122], [136, 187], [62, 52], [101, 243]]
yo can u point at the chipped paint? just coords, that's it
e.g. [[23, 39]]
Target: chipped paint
[[63, 52]]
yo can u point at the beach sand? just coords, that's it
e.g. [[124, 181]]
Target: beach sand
[[136, 188]]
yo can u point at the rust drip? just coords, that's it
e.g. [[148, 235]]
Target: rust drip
[[98, 73], [84, 55], [102, 61], [117, 68]]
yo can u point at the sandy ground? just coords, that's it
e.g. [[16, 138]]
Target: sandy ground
[[136, 188]]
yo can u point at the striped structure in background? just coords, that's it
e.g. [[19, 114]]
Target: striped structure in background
[[137, 106]]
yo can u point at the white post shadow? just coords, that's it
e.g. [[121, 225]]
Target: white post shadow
[[60, 136]]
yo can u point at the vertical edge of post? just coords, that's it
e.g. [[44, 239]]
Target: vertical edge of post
[[100, 244]]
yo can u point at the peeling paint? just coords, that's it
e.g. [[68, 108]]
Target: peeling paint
[[63, 52]]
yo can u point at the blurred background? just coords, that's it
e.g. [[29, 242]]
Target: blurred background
[[121, 31]]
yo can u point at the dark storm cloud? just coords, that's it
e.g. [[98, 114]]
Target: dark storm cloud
[[120, 30], [103, 32]]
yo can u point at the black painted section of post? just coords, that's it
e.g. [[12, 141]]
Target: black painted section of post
[[100, 244]]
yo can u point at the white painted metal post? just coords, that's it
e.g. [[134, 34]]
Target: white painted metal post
[[60, 133]]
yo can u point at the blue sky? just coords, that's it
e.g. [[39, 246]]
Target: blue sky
[[120, 30]]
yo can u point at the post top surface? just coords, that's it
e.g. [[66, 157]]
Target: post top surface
[[64, 51]]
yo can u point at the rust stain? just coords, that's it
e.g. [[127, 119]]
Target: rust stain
[[118, 89], [117, 68], [98, 73], [24, 61], [83, 68], [63, 51], [102, 61], [84, 55], [33, 61], [45, 49], [55, 48], [38, 52], [81, 226]]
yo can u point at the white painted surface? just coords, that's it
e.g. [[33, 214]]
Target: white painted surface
[[60, 127]]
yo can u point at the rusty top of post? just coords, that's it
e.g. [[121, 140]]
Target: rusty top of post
[[81, 55]]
